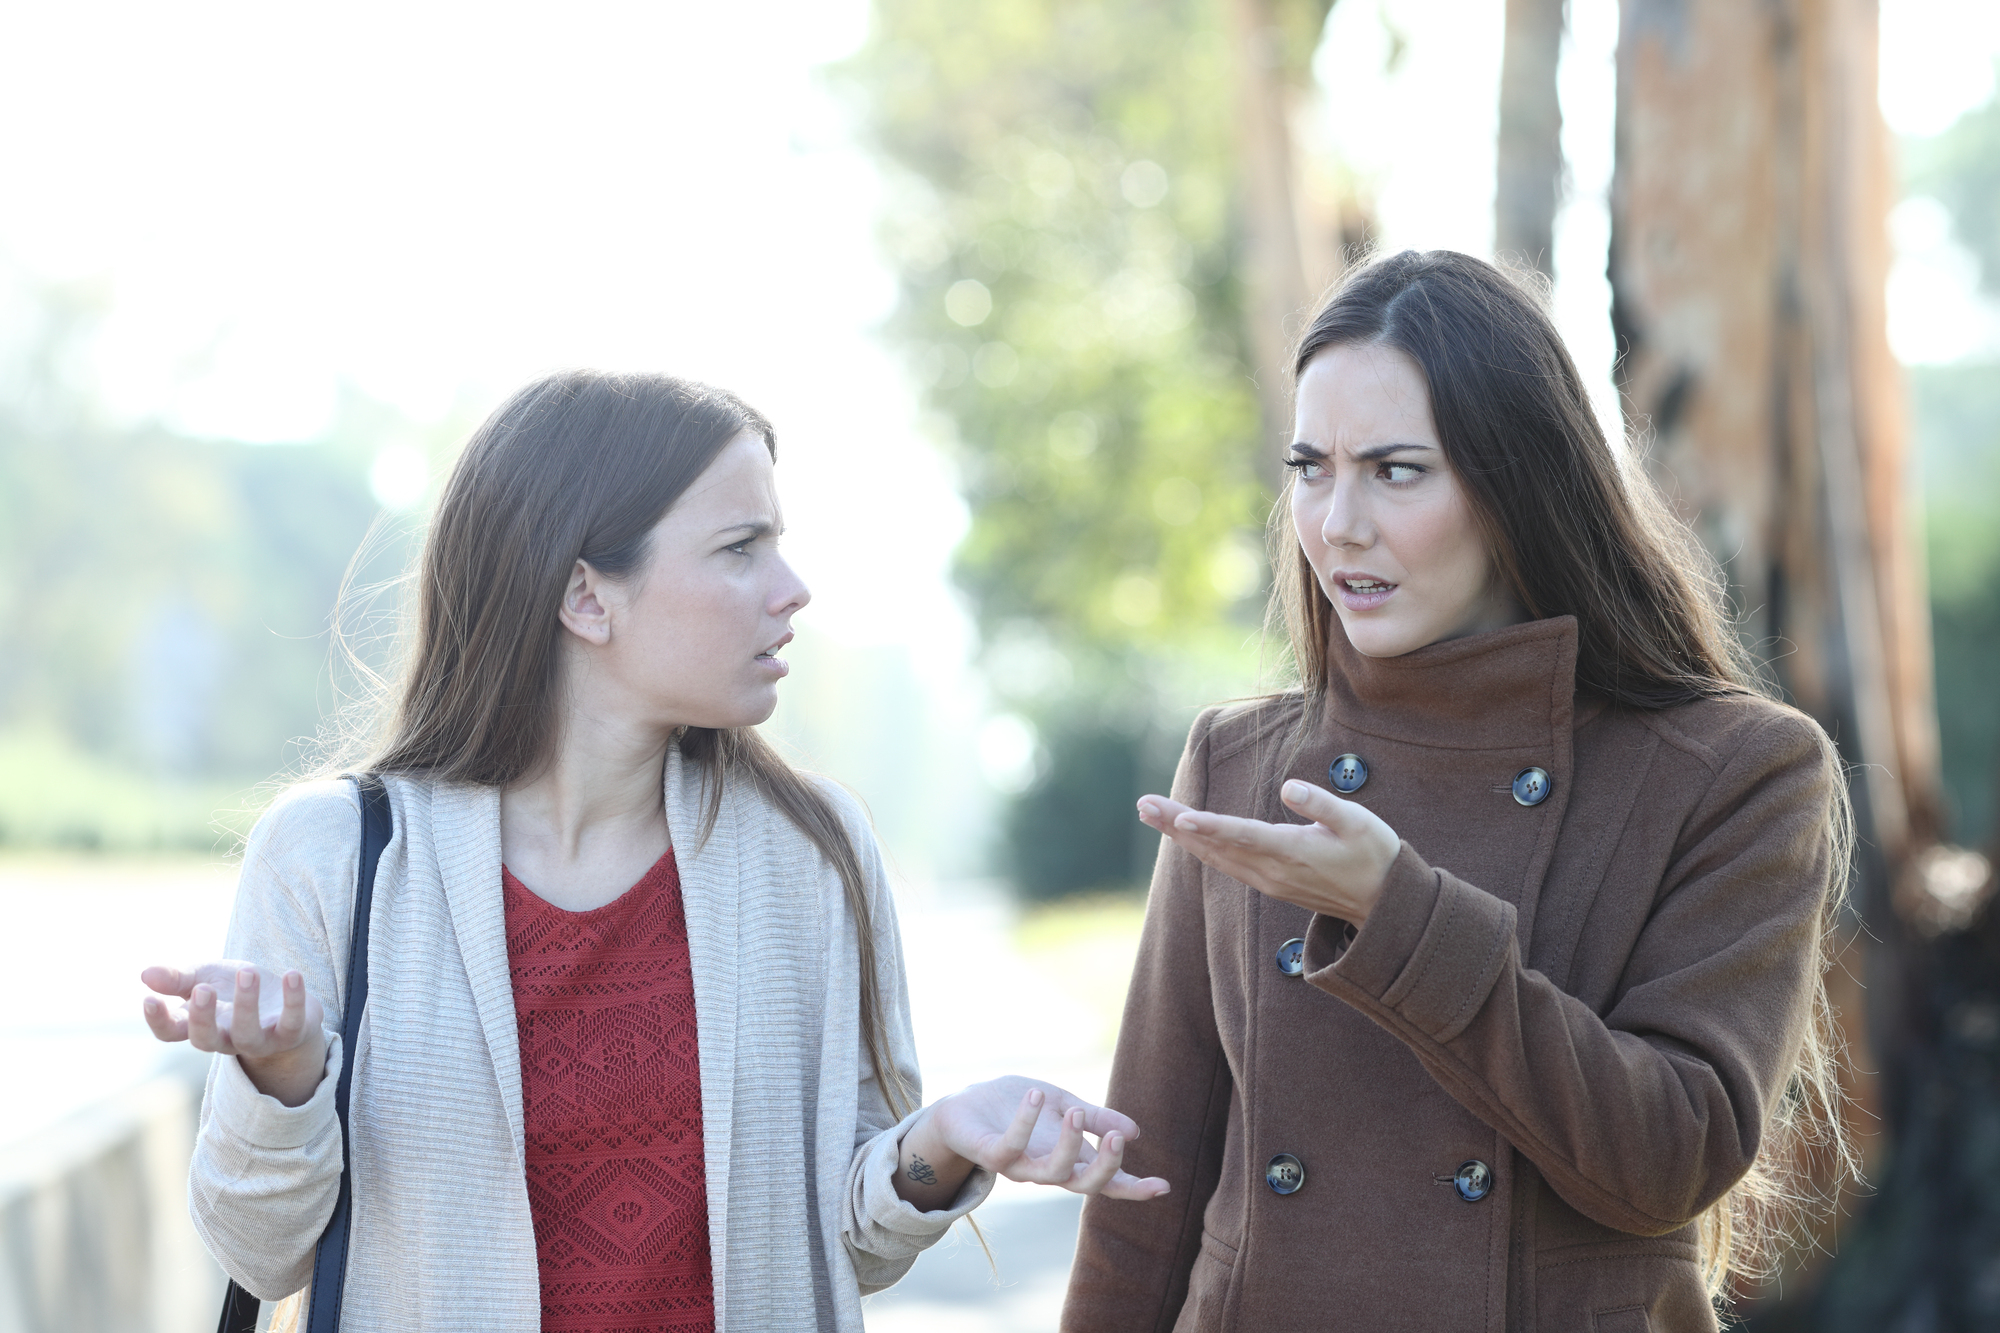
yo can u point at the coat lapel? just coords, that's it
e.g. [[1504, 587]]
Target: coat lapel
[[465, 828], [711, 888]]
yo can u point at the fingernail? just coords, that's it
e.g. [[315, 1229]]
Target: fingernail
[[293, 981], [1295, 791], [1149, 810], [1035, 1097], [1115, 1142], [246, 978]]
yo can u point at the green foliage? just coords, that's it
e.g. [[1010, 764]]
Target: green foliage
[[1061, 221], [1961, 167], [1957, 414], [1061, 226], [165, 603]]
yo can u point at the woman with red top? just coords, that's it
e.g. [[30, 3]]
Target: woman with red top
[[636, 1048]]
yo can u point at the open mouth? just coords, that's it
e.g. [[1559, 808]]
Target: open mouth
[[769, 657], [1361, 592]]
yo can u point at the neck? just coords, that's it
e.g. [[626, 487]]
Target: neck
[[601, 776], [592, 819]]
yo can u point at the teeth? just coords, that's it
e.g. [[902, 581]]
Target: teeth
[[1366, 585]]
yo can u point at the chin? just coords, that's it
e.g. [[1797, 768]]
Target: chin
[[1383, 638]]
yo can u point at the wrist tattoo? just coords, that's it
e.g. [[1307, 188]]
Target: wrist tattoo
[[920, 1171]]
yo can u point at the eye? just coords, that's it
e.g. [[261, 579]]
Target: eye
[[1400, 473], [1308, 467]]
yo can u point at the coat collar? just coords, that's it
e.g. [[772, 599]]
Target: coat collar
[[1497, 690]]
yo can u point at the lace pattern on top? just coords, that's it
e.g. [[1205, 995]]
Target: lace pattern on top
[[611, 1090]]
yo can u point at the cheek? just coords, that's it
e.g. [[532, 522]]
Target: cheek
[[1308, 519], [1440, 543]]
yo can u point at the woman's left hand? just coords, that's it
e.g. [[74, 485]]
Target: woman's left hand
[[1336, 864], [1023, 1129]]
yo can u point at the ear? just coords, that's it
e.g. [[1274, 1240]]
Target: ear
[[585, 612]]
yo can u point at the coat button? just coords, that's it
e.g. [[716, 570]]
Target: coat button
[[1286, 1174], [1474, 1181], [1292, 958], [1347, 773], [1531, 786]]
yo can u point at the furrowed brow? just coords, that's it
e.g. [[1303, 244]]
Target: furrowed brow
[[1378, 451]]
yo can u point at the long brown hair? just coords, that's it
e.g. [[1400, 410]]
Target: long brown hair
[[580, 466], [1574, 533]]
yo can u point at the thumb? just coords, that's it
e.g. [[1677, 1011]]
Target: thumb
[[1323, 807]]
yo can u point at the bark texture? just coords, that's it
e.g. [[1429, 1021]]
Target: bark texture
[[1529, 159], [1749, 261]]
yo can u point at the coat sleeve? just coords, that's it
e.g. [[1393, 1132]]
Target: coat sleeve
[[264, 1176], [882, 1232], [1643, 1117], [1171, 1076]]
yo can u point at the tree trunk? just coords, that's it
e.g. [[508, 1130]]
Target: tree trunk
[[1530, 159], [1276, 260], [1749, 258]]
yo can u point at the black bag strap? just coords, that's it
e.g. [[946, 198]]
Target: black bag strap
[[329, 1276]]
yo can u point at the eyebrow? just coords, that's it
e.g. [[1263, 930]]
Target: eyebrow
[[1368, 455], [751, 530]]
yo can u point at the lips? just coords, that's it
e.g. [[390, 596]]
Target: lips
[[1357, 590]]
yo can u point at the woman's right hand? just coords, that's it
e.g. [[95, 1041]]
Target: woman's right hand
[[268, 1022]]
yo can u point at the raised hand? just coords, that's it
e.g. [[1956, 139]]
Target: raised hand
[[1025, 1130], [1335, 865], [269, 1022]]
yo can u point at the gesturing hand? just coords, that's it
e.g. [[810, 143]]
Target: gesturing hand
[[270, 1023], [1025, 1130], [1335, 865]]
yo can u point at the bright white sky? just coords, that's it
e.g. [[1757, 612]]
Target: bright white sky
[[433, 202]]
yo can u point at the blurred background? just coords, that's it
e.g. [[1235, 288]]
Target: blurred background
[[1014, 279]]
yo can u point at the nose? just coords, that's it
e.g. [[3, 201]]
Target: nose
[[1347, 523], [789, 592]]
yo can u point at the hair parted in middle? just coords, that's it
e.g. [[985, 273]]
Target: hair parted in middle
[[1574, 533]]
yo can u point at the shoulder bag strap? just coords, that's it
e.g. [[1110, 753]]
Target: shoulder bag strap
[[329, 1275]]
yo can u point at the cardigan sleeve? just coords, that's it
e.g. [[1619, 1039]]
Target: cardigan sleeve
[[264, 1176], [884, 1233], [1644, 1116], [1170, 1075]]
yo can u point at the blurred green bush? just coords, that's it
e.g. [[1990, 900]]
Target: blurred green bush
[[165, 607]]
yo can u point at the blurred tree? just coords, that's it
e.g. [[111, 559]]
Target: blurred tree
[[1529, 156], [165, 605], [1749, 264], [1074, 205], [1962, 169]]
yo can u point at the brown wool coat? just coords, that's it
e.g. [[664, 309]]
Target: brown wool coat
[[1598, 996]]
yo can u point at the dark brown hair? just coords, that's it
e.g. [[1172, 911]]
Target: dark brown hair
[[1565, 530], [1574, 533], [581, 466]]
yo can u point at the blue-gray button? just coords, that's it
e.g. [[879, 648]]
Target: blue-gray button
[[1292, 958], [1347, 773], [1474, 1181], [1531, 786], [1286, 1174]]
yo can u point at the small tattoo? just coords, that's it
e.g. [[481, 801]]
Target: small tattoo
[[920, 1171]]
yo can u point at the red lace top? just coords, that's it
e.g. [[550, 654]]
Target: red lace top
[[611, 1087]]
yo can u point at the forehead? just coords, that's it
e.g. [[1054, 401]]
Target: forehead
[[740, 486], [1359, 395]]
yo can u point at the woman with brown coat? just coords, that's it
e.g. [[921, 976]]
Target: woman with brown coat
[[1517, 1026]]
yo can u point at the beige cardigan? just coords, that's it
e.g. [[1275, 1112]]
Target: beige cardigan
[[801, 1146]]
